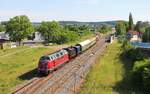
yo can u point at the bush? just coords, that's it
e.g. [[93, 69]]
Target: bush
[[135, 54], [126, 45], [104, 28], [64, 36], [141, 74], [121, 38]]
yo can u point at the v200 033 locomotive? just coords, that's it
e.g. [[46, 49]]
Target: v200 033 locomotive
[[52, 61]]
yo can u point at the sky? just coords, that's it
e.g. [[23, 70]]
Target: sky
[[75, 10]]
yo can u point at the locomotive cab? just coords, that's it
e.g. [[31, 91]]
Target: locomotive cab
[[43, 64]]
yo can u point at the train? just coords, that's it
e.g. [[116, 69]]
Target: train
[[50, 62]]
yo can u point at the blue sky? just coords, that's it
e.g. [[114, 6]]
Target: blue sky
[[76, 10]]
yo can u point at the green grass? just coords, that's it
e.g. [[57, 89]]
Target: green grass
[[8, 51], [110, 74], [14, 67], [18, 65]]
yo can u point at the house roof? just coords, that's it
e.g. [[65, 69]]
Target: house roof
[[133, 32]]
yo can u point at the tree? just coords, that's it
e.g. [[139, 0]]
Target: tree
[[45, 30], [19, 28], [84, 27], [72, 27], [84, 30], [2, 28], [120, 28], [126, 25], [141, 26], [81, 30], [146, 35], [138, 26], [104, 28], [50, 30], [131, 24]]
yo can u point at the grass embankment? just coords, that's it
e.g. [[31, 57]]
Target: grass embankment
[[10, 51], [18, 67], [18, 64], [110, 74]]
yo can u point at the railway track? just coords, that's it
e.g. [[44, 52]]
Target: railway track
[[73, 83], [54, 82], [74, 77]]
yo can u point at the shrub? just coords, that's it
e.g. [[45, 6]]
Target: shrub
[[135, 54], [141, 74], [121, 38], [126, 45]]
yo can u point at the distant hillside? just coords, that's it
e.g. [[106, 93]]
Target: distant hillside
[[36, 23], [112, 23], [95, 24]]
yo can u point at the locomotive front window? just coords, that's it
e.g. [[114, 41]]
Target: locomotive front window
[[57, 55], [61, 53], [44, 58], [51, 58]]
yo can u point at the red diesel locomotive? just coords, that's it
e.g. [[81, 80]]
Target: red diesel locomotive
[[52, 61]]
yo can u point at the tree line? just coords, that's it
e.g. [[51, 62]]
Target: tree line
[[104, 28], [19, 28]]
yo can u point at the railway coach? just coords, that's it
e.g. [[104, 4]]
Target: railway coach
[[87, 44]]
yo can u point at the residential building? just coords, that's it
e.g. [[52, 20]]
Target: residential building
[[3, 35], [134, 36]]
